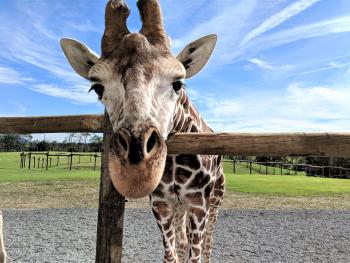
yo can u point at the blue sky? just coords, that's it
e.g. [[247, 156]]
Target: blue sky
[[279, 66]]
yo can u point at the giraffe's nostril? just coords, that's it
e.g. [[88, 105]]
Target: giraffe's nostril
[[152, 141], [123, 142]]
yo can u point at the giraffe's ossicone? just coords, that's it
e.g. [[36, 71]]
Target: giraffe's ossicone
[[142, 86]]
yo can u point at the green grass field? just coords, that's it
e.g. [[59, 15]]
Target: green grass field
[[59, 187], [286, 185], [10, 170]]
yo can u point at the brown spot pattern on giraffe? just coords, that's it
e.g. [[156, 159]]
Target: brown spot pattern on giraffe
[[188, 160], [199, 181], [168, 170], [182, 175]]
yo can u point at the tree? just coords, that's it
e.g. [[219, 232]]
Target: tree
[[14, 142], [43, 146], [86, 135], [70, 140], [96, 143]]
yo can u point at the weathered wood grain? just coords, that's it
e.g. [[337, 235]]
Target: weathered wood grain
[[298, 144], [110, 212], [51, 124]]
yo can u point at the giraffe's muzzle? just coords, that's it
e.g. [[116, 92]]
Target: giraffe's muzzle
[[136, 161]]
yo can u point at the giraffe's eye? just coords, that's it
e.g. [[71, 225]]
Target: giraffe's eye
[[177, 85], [99, 89]]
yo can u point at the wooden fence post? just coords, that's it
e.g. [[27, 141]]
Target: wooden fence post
[[111, 210], [30, 160], [71, 161], [281, 168], [95, 162], [250, 167], [34, 162], [21, 160], [234, 166], [47, 161]]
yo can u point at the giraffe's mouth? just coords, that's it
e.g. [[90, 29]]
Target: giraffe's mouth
[[135, 167]]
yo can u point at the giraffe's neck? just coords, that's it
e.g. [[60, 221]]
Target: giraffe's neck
[[186, 117]]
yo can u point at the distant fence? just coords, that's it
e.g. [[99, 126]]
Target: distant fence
[[262, 167], [32, 159], [111, 203], [281, 168]]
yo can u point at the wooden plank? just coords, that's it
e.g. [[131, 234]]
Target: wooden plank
[[51, 124], [278, 144], [111, 211], [299, 144]]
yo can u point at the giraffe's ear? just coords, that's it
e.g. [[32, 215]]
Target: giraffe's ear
[[79, 56], [196, 55]]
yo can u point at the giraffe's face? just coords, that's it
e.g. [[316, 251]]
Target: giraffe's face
[[138, 84]]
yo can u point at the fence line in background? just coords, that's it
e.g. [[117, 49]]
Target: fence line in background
[[28, 158], [310, 170]]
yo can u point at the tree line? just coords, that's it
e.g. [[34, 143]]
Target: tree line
[[74, 142]]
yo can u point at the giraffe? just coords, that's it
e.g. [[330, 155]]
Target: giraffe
[[2, 247], [142, 86]]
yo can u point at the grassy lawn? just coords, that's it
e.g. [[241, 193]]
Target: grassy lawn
[[59, 187], [243, 168], [285, 185], [10, 171]]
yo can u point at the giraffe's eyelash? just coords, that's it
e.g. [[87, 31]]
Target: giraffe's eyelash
[[178, 85], [99, 89]]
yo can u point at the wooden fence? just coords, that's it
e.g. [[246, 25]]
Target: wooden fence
[[111, 204], [310, 170], [33, 162]]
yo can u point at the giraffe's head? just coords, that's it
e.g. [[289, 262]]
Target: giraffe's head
[[138, 80]]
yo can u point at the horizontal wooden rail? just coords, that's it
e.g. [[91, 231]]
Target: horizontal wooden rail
[[273, 144], [246, 144], [51, 124]]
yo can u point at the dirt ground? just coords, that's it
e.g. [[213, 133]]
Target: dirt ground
[[69, 194]]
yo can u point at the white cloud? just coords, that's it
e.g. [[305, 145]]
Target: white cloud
[[228, 21], [244, 31], [297, 109], [277, 19], [10, 76], [77, 93], [261, 63], [319, 29], [332, 65], [35, 43]]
